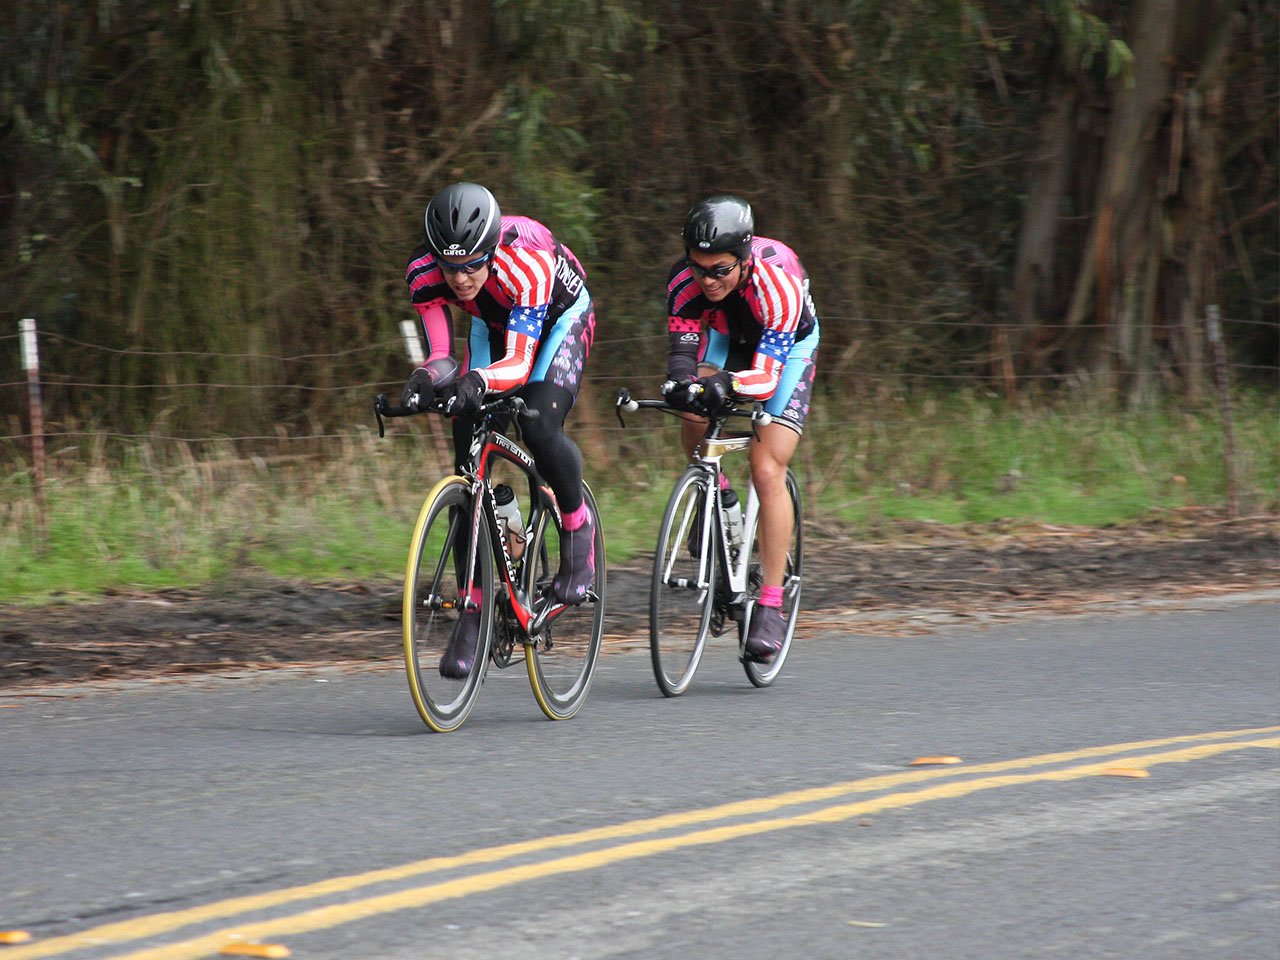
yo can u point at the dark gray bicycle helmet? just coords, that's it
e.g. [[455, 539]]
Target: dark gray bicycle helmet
[[720, 224], [461, 220]]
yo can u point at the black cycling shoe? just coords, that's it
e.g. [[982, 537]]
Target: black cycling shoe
[[764, 634], [577, 564], [460, 655]]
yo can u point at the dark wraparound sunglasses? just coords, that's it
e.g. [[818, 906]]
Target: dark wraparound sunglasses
[[715, 273], [469, 267]]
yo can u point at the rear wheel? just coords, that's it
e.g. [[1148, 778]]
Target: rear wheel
[[681, 593], [434, 602], [763, 674], [562, 658]]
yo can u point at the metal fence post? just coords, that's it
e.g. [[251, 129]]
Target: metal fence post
[[31, 364], [1213, 325]]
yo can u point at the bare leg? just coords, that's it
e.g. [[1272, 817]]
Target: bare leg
[[769, 459], [692, 429], [692, 426]]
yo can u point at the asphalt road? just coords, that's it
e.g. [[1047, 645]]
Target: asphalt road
[[312, 810]]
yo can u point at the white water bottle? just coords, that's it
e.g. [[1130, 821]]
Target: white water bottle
[[732, 517], [508, 511]]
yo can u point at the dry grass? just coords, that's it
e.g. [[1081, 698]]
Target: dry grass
[[164, 513]]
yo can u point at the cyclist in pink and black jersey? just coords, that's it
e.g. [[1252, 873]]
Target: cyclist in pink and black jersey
[[532, 324], [741, 323]]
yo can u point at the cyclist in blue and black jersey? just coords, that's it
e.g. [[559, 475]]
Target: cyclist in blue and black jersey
[[741, 323], [532, 323]]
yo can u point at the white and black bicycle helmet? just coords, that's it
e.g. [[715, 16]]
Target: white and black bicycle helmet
[[462, 220], [718, 224]]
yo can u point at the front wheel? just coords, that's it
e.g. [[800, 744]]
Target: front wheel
[[434, 603], [682, 592], [562, 659], [763, 674]]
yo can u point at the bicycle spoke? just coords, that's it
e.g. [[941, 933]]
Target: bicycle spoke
[[681, 595], [763, 674], [562, 658], [434, 606]]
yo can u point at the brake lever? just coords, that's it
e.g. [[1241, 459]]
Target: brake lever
[[624, 403], [522, 409], [759, 419]]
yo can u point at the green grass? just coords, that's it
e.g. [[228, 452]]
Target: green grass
[[979, 460], [151, 516]]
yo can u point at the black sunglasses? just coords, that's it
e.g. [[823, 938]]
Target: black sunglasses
[[715, 273], [470, 267]]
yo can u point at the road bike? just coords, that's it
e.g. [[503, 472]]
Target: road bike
[[707, 575], [465, 557]]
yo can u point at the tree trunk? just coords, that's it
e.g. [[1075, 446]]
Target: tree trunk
[[1194, 261], [1122, 227], [1149, 260], [1035, 267]]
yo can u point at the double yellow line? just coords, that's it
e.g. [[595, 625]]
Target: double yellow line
[[630, 841]]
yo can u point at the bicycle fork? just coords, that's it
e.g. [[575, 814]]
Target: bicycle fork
[[735, 558]]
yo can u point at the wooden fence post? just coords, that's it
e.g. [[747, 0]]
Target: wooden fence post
[[31, 363], [1213, 326]]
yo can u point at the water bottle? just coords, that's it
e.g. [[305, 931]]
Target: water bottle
[[508, 511], [732, 517]]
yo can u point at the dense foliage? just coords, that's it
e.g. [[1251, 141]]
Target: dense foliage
[[225, 191]]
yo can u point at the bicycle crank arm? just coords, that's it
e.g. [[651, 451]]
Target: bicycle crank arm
[[686, 583], [552, 611]]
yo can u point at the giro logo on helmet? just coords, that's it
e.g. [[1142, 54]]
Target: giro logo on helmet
[[461, 220]]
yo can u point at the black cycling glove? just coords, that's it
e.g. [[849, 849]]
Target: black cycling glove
[[718, 390], [676, 392], [417, 393], [468, 396]]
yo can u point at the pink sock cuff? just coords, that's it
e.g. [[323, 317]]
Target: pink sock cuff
[[475, 595], [573, 521], [770, 597], [724, 481]]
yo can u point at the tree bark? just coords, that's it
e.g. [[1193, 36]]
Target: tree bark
[[1194, 254], [1113, 256], [1035, 266]]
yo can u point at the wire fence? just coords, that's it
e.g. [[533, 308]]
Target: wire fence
[[970, 372], [258, 455]]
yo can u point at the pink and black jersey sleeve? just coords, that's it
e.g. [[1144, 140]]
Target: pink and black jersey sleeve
[[687, 309], [429, 293]]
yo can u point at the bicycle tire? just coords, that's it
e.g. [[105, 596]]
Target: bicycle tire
[[763, 674], [432, 604], [682, 590], [562, 660]]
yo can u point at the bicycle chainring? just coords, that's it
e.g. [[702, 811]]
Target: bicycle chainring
[[504, 632]]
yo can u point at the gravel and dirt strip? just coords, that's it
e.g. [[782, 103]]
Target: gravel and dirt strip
[[910, 576]]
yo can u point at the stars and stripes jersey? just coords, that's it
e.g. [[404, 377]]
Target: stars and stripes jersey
[[533, 279], [762, 319]]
